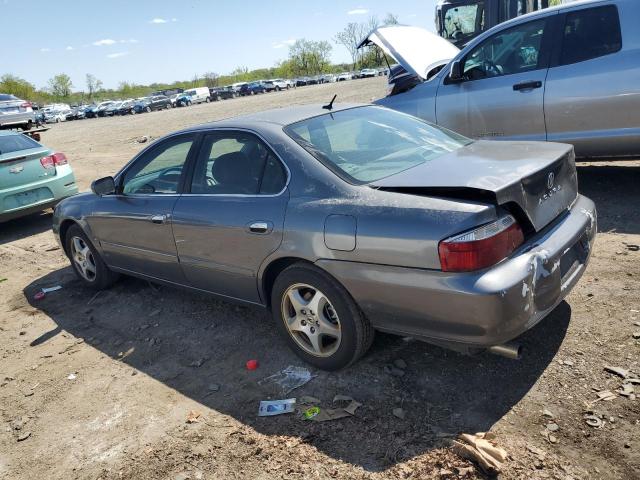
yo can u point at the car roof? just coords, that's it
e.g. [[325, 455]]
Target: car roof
[[279, 116]]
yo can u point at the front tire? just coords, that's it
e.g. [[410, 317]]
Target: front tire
[[318, 318], [86, 261]]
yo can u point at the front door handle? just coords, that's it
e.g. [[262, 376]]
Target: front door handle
[[159, 219], [527, 85], [260, 227]]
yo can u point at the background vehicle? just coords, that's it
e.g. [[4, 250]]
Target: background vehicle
[[98, 110], [150, 104], [344, 76], [198, 95], [449, 249], [15, 112], [269, 86], [225, 93], [460, 21], [32, 177], [56, 116], [568, 72], [252, 88], [368, 73], [281, 84], [213, 95], [125, 108]]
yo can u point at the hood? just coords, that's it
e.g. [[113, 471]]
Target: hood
[[416, 49], [539, 177]]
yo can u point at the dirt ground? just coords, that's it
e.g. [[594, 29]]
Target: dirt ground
[[101, 386]]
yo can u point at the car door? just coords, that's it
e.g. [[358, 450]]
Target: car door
[[592, 96], [501, 93], [233, 216], [134, 226]]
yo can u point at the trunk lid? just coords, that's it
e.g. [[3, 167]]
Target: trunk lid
[[416, 49], [23, 167], [539, 178]]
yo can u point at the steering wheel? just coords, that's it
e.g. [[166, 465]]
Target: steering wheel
[[491, 68]]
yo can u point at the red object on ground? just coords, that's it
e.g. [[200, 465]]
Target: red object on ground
[[252, 364], [39, 296]]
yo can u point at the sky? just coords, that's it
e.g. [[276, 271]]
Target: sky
[[145, 41]]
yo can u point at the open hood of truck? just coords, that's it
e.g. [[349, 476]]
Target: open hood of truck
[[416, 49]]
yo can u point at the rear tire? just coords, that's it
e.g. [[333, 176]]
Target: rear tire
[[79, 249], [148, 109], [341, 331], [207, 100]]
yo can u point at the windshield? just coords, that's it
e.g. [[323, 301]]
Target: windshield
[[366, 144], [15, 143], [463, 22]]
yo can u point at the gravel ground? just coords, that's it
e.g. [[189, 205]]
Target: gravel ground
[[102, 386]]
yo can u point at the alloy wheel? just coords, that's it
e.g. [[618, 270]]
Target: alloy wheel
[[83, 258], [311, 320]]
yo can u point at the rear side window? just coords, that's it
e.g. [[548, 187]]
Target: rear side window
[[15, 143], [590, 33]]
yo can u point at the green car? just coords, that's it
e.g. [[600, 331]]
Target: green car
[[32, 176]]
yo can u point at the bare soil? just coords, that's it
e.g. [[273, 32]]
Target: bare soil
[[100, 387]]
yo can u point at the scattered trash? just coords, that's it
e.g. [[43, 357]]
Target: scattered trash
[[483, 449], [398, 412], [632, 247], [537, 451], [635, 334], [626, 390], [24, 436], [3, 280], [594, 421], [143, 139], [328, 414], [552, 427], [43, 292], [606, 395], [252, 364], [311, 412], [547, 413], [193, 416], [289, 378], [269, 408], [621, 372], [72, 376]]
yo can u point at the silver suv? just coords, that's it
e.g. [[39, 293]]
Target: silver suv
[[564, 74], [15, 112]]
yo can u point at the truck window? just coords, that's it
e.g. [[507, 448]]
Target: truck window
[[590, 33], [463, 21]]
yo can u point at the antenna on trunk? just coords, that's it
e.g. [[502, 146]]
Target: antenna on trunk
[[329, 106]]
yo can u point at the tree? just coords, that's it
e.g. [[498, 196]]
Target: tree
[[350, 38], [93, 85], [309, 57], [211, 79], [60, 85], [390, 19], [17, 86]]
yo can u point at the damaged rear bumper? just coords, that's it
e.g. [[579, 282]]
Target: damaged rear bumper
[[478, 309]]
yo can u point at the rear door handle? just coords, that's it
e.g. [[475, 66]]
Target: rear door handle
[[527, 85], [159, 219], [260, 227]]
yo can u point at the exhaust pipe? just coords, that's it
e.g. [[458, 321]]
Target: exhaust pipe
[[509, 350]]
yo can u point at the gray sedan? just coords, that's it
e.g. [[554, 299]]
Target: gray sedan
[[342, 221]]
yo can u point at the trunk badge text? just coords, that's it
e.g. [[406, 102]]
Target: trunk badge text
[[17, 169], [552, 188]]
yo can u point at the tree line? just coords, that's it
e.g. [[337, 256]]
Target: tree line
[[305, 58]]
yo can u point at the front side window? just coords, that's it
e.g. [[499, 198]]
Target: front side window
[[159, 170], [516, 50], [590, 33], [464, 21], [366, 144], [237, 163]]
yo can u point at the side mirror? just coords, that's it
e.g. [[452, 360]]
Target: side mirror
[[104, 186], [455, 74]]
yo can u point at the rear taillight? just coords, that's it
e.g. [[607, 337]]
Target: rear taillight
[[482, 247], [26, 105], [52, 161]]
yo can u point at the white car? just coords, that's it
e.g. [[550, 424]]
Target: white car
[[198, 95], [344, 76], [281, 84], [56, 116], [368, 72]]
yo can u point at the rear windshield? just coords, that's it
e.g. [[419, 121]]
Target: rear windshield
[[15, 143], [366, 144], [5, 97]]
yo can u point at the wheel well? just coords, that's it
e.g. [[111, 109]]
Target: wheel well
[[64, 227], [273, 270]]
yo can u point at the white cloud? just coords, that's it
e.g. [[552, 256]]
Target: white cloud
[[106, 41], [284, 43], [358, 11], [69, 48], [130, 40], [174, 19], [45, 50], [117, 54], [158, 20]]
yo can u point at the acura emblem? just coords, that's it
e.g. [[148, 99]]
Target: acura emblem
[[17, 169], [550, 180]]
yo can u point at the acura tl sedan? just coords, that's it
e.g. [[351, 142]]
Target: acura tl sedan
[[342, 221]]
